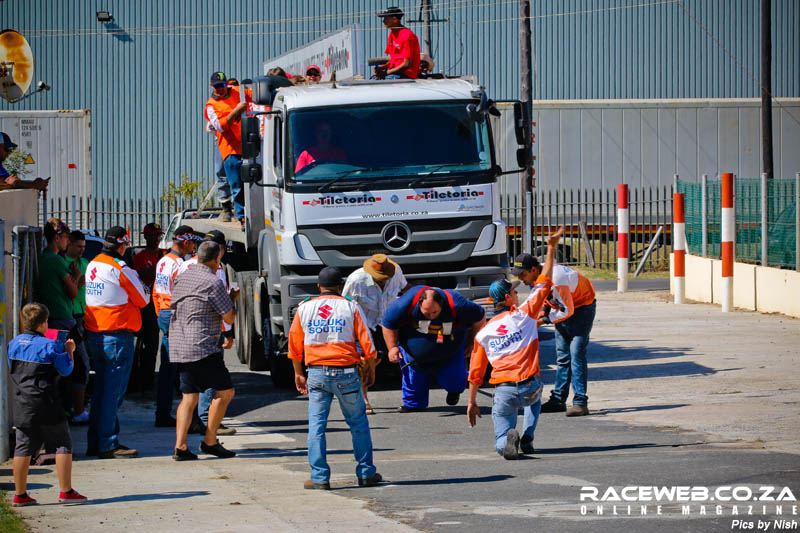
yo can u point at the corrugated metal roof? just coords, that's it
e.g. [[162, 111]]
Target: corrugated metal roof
[[144, 76]]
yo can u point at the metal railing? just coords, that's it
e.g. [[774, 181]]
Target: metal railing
[[590, 219]]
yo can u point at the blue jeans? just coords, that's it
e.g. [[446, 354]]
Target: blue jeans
[[167, 372], [572, 337], [112, 355], [233, 167], [417, 383], [203, 403], [345, 385], [508, 400], [223, 187]]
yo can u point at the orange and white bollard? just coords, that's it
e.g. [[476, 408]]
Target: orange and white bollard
[[623, 242], [679, 247], [728, 238]]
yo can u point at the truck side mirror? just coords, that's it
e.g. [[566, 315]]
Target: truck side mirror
[[265, 87], [522, 124], [251, 171], [251, 137], [523, 157]]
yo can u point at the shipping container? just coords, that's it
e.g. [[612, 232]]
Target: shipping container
[[57, 145]]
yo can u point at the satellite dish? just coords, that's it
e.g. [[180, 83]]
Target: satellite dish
[[16, 65]]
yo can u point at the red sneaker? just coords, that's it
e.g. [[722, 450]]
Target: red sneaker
[[73, 496], [23, 500]]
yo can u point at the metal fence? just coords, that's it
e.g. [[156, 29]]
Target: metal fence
[[767, 220], [100, 214], [590, 219]]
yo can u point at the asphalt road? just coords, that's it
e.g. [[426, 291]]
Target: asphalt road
[[443, 475], [657, 284]]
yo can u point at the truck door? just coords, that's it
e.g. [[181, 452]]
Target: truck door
[[273, 170]]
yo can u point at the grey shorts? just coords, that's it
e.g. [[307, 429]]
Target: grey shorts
[[30, 440]]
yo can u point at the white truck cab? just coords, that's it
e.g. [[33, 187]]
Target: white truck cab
[[337, 172]]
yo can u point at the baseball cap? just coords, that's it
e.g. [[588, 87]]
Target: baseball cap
[[218, 77], [7, 142], [523, 262], [330, 277], [216, 236], [152, 229], [501, 287], [313, 67], [116, 235], [184, 233], [393, 11]]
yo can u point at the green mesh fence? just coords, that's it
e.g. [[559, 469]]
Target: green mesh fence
[[781, 219]]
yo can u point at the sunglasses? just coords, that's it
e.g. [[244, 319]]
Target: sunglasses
[[314, 74], [219, 85]]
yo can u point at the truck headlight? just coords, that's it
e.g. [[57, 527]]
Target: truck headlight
[[304, 248], [486, 238]]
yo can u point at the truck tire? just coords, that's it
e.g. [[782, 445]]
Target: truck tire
[[237, 324], [248, 343]]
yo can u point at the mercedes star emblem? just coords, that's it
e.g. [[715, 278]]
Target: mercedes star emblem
[[396, 236]]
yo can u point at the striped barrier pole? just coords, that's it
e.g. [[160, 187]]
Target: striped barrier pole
[[728, 237], [623, 243], [679, 247]]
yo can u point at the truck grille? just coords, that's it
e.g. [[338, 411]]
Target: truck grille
[[432, 241]]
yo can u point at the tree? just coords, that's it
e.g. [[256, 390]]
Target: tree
[[15, 163], [186, 190]]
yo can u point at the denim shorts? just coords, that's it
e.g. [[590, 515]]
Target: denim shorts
[[30, 440], [207, 373]]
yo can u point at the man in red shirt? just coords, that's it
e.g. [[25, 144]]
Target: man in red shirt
[[402, 47], [322, 151], [144, 359], [224, 114]]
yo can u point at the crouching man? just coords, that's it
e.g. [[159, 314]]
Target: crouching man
[[510, 342]]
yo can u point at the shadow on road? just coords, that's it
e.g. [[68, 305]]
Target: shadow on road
[[451, 481], [631, 409], [153, 496]]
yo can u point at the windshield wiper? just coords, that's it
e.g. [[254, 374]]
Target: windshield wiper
[[343, 174], [349, 186], [427, 176]]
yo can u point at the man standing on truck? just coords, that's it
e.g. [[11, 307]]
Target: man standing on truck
[[402, 47], [224, 113], [324, 332], [183, 245], [428, 331], [510, 343]]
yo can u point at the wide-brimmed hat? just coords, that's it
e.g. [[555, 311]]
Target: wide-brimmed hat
[[380, 267]]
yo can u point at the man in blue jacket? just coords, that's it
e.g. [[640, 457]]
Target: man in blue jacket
[[428, 331]]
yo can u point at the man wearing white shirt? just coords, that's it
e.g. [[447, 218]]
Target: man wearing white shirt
[[374, 287]]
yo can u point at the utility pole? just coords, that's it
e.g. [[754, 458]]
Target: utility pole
[[426, 17], [766, 87], [526, 96]]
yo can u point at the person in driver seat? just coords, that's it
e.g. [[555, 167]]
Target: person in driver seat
[[322, 151]]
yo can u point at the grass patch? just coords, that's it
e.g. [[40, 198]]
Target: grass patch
[[10, 522]]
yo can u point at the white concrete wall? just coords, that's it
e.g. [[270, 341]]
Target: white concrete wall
[[17, 208], [756, 288]]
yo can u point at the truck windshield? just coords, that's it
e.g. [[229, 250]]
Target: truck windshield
[[386, 141]]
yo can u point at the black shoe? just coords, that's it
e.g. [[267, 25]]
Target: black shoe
[[183, 455], [310, 485], [407, 409], [526, 445], [511, 450], [452, 398], [217, 449], [165, 422], [370, 481], [197, 428], [553, 406]]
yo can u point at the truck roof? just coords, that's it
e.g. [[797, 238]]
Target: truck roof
[[325, 94]]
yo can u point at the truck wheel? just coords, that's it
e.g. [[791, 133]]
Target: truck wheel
[[238, 334], [248, 344]]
